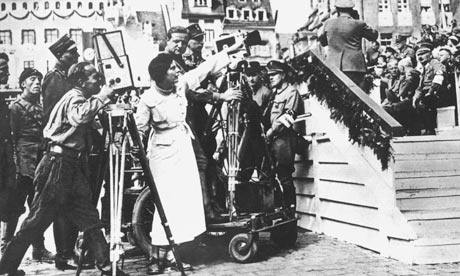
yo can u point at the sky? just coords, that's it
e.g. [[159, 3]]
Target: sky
[[292, 14]]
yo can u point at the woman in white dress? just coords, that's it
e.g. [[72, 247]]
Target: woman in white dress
[[161, 116]]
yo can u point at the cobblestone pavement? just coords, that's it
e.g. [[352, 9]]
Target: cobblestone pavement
[[313, 255]]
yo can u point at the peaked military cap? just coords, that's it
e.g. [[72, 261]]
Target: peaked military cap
[[345, 4], [253, 68], [277, 66], [424, 47], [62, 45], [195, 31]]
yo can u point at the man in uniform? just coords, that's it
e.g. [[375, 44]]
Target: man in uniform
[[405, 51], [55, 85], [432, 88], [260, 93], [61, 176], [192, 55], [27, 129], [282, 134], [343, 35], [7, 167], [196, 113]]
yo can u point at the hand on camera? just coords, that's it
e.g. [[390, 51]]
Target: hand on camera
[[231, 94], [106, 92]]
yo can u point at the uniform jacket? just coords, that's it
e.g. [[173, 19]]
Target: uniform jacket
[[27, 129], [344, 38], [55, 85], [433, 72]]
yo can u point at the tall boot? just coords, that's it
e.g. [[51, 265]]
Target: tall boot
[[39, 251], [289, 196], [8, 229], [65, 236]]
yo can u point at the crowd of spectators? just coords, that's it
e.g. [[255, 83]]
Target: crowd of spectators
[[415, 76]]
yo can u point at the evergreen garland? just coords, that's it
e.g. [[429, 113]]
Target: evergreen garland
[[346, 108]]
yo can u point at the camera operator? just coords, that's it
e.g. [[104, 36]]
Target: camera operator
[[285, 104], [61, 178]]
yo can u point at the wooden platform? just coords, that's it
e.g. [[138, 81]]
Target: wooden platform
[[410, 212]]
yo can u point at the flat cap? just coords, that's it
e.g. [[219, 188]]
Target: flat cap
[[62, 45], [29, 72], [345, 4], [253, 68]]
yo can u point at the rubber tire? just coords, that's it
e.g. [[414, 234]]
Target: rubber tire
[[142, 220], [239, 249], [285, 236]]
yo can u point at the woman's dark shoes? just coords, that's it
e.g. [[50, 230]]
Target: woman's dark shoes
[[64, 264], [154, 269], [16, 273], [119, 273], [172, 266]]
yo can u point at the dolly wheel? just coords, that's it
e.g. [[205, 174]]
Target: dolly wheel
[[285, 236], [241, 248]]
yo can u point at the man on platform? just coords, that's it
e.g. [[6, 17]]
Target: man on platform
[[343, 35]]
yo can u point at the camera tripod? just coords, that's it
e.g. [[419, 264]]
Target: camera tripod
[[120, 126]]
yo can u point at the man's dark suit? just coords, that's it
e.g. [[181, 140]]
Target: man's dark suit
[[344, 36]]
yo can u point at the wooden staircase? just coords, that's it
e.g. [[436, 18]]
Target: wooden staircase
[[427, 184]]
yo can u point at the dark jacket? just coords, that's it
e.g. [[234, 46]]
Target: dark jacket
[[55, 85], [344, 36]]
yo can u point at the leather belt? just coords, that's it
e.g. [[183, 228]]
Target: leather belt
[[65, 151]]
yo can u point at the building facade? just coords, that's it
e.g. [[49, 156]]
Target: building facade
[[28, 28]]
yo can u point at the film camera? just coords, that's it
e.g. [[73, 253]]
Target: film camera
[[251, 39]]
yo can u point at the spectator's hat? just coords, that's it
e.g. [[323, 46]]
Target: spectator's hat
[[456, 31], [344, 4], [454, 39], [276, 67], [195, 32], [29, 72], [390, 50], [253, 68], [62, 45], [424, 47], [400, 39]]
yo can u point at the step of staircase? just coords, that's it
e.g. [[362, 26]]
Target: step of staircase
[[428, 199]]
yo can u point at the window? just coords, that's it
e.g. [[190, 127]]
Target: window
[[209, 35], [51, 35], [24, 5], [5, 37], [231, 13], [385, 39], [69, 5], [247, 15], [47, 5], [101, 6], [201, 3], [242, 1], [79, 5], [35, 5], [76, 35], [446, 7], [3, 7], [90, 5], [13, 6], [261, 15], [58, 5], [403, 6], [99, 31], [384, 6], [29, 64], [28, 36], [256, 1]]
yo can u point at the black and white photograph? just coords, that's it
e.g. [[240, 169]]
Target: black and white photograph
[[229, 137]]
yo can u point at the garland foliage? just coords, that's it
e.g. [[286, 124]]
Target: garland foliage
[[346, 108]]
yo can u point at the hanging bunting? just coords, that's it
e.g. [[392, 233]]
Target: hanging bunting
[[42, 17], [19, 18]]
